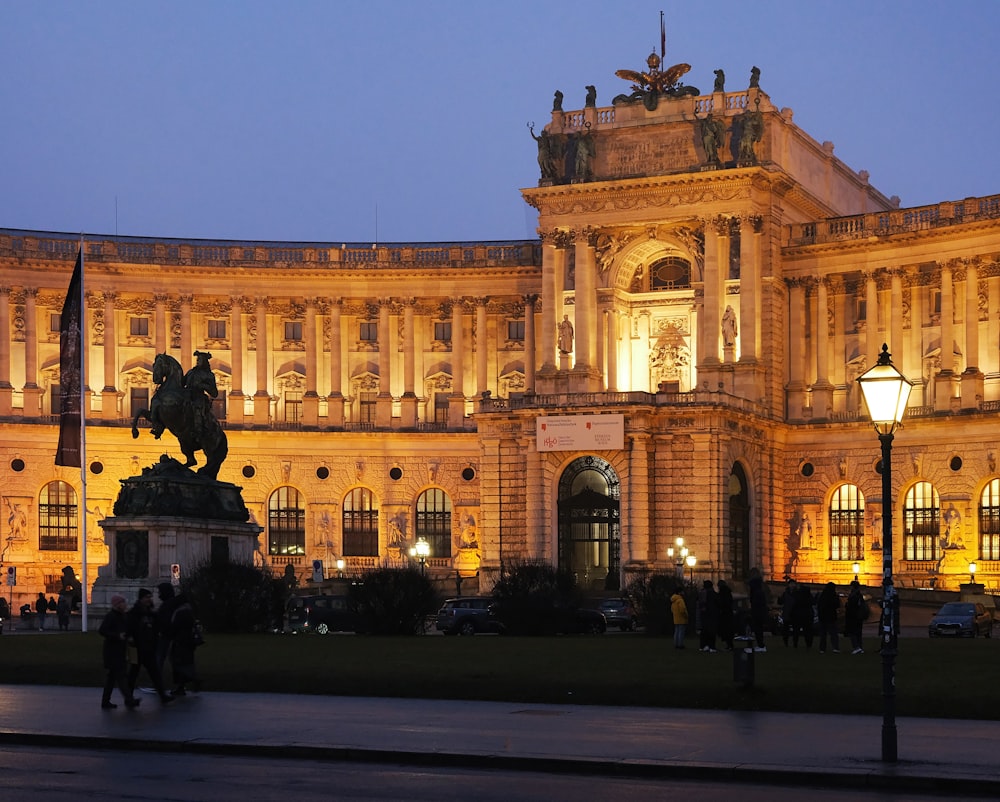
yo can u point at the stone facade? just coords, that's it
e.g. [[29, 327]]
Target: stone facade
[[722, 307]]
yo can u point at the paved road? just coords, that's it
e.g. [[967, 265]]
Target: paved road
[[936, 756]]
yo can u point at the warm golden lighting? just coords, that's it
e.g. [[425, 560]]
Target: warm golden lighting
[[886, 392]]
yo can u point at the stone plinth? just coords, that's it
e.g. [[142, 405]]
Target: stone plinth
[[143, 548]]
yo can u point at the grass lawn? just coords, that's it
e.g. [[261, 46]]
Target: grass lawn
[[936, 678]]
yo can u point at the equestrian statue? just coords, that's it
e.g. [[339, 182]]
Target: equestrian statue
[[182, 403]]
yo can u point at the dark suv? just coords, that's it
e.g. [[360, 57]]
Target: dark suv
[[320, 614], [467, 615]]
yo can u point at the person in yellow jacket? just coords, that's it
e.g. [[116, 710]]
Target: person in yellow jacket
[[679, 610]]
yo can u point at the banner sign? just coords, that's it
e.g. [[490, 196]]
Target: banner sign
[[580, 432]]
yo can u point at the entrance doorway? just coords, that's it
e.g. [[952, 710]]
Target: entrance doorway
[[590, 523]]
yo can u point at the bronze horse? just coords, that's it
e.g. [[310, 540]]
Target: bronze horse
[[183, 406]]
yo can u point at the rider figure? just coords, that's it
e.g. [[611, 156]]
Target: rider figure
[[200, 385]]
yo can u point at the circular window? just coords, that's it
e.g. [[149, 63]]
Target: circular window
[[322, 472], [249, 471], [17, 464], [807, 469], [96, 467], [956, 463], [396, 474], [468, 474]]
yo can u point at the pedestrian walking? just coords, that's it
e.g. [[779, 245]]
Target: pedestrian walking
[[168, 602], [827, 606], [708, 609], [855, 613], [726, 613], [184, 639], [679, 612], [803, 616], [758, 608], [41, 608], [114, 630], [141, 628], [63, 608]]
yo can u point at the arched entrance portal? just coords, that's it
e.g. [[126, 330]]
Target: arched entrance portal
[[739, 523], [590, 523]]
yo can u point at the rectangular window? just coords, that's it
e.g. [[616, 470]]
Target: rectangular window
[[293, 407], [219, 407], [138, 398], [293, 331], [366, 407], [368, 331], [138, 326], [441, 408], [55, 322], [515, 330], [442, 332], [217, 329]]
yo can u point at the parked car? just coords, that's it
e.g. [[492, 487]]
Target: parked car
[[619, 613], [320, 614], [579, 621], [961, 619], [467, 615]]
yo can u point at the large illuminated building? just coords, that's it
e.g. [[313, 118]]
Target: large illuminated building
[[673, 358]]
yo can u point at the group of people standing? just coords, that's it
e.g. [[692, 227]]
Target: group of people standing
[[44, 606], [715, 616], [801, 611], [147, 637]]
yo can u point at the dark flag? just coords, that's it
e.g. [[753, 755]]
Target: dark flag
[[70, 350]]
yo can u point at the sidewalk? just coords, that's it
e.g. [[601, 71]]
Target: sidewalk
[[956, 757]]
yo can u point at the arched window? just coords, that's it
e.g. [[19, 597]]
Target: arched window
[[286, 523], [669, 273], [359, 519], [433, 521], [921, 522], [989, 521], [847, 523], [57, 518]]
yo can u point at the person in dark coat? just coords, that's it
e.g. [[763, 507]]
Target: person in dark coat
[[183, 642], [827, 606], [41, 608], [63, 608], [726, 624], [854, 617], [142, 637], [758, 608], [708, 607], [164, 631], [114, 630], [787, 602], [802, 616]]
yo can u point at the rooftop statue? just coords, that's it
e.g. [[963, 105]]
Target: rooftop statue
[[183, 404], [649, 85]]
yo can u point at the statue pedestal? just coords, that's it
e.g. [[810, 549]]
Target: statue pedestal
[[143, 548]]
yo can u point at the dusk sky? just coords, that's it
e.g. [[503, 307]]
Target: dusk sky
[[343, 120]]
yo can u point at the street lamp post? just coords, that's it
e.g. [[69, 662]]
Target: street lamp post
[[972, 573], [423, 549], [340, 567], [691, 561], [857, 570], [886, 392]]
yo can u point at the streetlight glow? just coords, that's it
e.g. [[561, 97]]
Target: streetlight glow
[[423, 550], [886, 392]]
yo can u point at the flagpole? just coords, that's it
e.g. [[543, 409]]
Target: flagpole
[[83, 442]]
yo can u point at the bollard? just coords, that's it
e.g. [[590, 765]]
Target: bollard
[[743, 661]]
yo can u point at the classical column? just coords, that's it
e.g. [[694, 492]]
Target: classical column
[[710, 324], [638, 512], [456, 403], [549, 319], [335, 401], [585, 310], [822, 389], [383, 402], [563, 240], [6, 388], [32, 392], [262, 397], [160, 344], [234, 409], [310, 400], [482, 345], [751, 235], [796, 357], [534, 498], [944, 381], [109, 393], [187, 350], [612, 349], [896, 319], [408, 403], [991, 362], [972, 377], [873, 343], [529, 343]]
